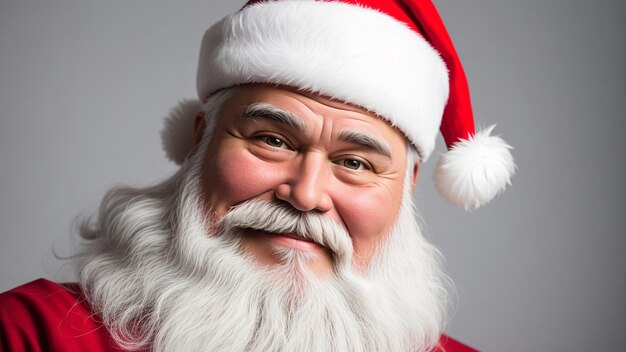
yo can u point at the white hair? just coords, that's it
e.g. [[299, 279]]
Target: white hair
[[160, 275]]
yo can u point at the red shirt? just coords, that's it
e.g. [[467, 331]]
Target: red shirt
[[45, 316]]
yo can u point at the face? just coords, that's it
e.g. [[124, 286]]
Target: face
[[313, 153]]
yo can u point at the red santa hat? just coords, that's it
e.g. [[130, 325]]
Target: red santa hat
[[391, 57]]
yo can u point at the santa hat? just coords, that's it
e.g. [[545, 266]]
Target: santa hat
[[392, 57]]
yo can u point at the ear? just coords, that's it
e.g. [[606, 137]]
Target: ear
[[415, 176], [199, 125]]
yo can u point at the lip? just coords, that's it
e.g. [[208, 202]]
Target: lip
[[293, 241]]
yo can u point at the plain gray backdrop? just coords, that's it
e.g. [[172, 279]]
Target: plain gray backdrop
[[84, 87]]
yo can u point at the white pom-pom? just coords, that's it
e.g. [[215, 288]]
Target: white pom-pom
[[475, 170], [177, 134]]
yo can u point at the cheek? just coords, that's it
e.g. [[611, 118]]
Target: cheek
[[369, 216], [235, 176]]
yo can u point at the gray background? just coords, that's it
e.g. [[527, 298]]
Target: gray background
[[84, 86]]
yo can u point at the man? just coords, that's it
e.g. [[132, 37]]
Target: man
[[290, 225]]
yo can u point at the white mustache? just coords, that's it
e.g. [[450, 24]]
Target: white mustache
[[281, 218]]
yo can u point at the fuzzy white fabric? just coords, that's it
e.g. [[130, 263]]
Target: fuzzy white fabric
[[350, 53], [176, 135], [160, 277], [475, 170]]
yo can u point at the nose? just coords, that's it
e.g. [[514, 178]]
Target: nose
[[306, 188]]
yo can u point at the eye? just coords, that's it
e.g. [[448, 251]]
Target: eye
[[353, 164], [273, 141]]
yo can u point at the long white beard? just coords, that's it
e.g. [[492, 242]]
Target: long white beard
[[160, 276]]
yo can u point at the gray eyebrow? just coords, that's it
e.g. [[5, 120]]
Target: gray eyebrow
[[370, 142], [270, 112]]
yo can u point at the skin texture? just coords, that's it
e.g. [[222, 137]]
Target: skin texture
[[312, 167]]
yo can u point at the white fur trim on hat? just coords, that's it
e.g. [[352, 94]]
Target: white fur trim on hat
[[475, 170], [347, 52], [176, 136]]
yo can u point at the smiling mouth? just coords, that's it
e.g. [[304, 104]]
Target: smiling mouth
[[295, 236], [290, 240], [294, 241]]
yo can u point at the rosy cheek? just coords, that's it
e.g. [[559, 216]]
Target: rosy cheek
[[237, 176], [370, 215]]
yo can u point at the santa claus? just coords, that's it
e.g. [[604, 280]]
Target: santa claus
[[290, 225]]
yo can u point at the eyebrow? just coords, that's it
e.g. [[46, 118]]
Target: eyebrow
[[370, 142], [270, 112]]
